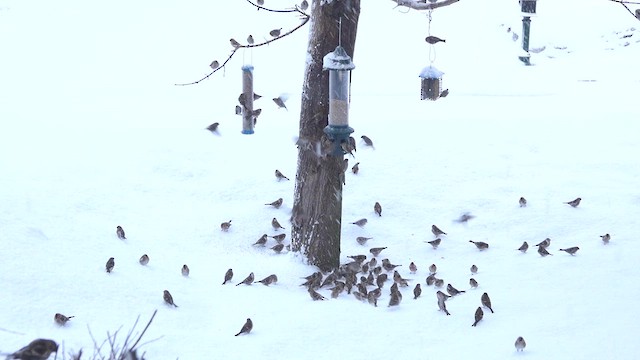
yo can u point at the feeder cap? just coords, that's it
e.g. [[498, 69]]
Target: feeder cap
[[337, 60], [430, 72]]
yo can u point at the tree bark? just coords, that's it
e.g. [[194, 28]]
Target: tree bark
[[317, 205]]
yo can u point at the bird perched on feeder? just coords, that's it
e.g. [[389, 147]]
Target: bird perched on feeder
[[228, 276], [213, 127], [278, 248], [238, 110], [250, 39], [280, 176], [417, 291], [572, 250], [61, 319], [246, 328], [234, 43], [225, 225], [280, 102], [473, 283], [433, 39], [543, 251], [271, 279], [444, 93], [185, 270], [262, 240], [275, 32], [435, 243], [522, 202], [279, 238], [486, 302], [376, 250], [480, 245], [276, 204], [120, 233], [168, 298], [453, 291], [377, 208], [367, 141], [524, 247], [436, 231], [355, 168], [110, 264], [520, 344], [362, 240], [605, 238], [479, 315], [39, 349], [214, 64], [574, 203], [144, 259], [247, 281], [362, 222], [275, 224]]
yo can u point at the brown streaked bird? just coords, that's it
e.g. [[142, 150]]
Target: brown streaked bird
[[304, 5], [479, 315], [543, 251], [433, 39], [61, 319], [367, 141], [262, 240], [387, 265], [277, 248], [373, 296], [442, 306], [315, 296], [228, 276], [439, 283], [168, 298], [575, 202], [417, 291], [474, 269], [213, 127], [520, 344], [120, 233], [275, 32], [355, 168], [225, 226], [473, 283], [246, 328], [271, 279], [464, 218], [214, 64], [571, 250], [544, 243], [362, 222], [358, 258], [276, 204], [280, 175], [442, 296], [248, 280], [39, 349], [376, 250], [524, 247], [433, 269], [436, 231], [435, 243], [431, 279], [373, 262], [486, 302], [110, 264], [453, 291], [605, 238], [362, 240], [234, 43], [413, 268], [395, 299], [238, 110], [280, 102], [397, 278], [279, 238], [276, 225], [250, 40], [480, 245], [444, 93], [144, 259], [381, 279], [522, 202], [377, 208], [185, 270]]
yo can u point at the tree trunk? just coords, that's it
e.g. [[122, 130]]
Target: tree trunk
[[317, 205]]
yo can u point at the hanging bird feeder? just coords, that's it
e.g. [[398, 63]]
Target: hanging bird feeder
[[528, 6], [246, 99], [431, 83], [339, 65]]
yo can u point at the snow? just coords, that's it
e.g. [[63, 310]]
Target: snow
[[430, 72], [96, 135]]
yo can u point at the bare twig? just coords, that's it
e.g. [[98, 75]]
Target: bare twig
[[624, 3], [133, 347], [423, 5], [11, 331]]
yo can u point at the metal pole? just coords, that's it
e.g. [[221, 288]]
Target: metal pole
[[247, 91]]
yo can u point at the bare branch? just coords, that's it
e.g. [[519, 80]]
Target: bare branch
[[133, 347], [624, 3], [423, 4], [260, 7]]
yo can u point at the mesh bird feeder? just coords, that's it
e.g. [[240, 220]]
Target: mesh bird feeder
[[247, 99], [431, 83], [528, 6], [339, 65]]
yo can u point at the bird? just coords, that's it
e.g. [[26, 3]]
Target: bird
[[228, 276], [486, 302], [444, 93], [234, 43], [433, 39], [362, 240], [315, 295], [436, 231], [362, 222], [438, 283], [453, 291], [279, 238], [524, 247], [442, 297], [120, 233], [275, 224], [435, 243], [250, 39], [473, 283], [355, 168], [474, 269], [398, 279], [523, 202], [39, 349], [238, 110], [262, 240], [376, 250], [574, 203], [277, 248], [433, 269], [110, 264], [225, 225], [275, 32], [61, 319], [214, 64], [280, 102], [395, 299], [387, 265], [413, 268], [247, 281], [520, 344], [544, 243], [465, 217], [480, 245], [185, 270], [144, 259], [358, 258], [543, 251], [345, 165], [260, 2], [246, 328], [280, 176], [373, 295], [377, 208], [367, 141], [479, 315], [605, 238], [304, 5], [572, 250], [381, 279], [213, 127], [271, 279], [417, 291], [168, 298], [276, 204], [431, 279]]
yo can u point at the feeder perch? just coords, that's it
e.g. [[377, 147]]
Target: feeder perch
[[247, 106], [528, 6], [339, 65], [431, 83]]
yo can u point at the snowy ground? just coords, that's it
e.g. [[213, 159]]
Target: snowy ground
[[96, 135]]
